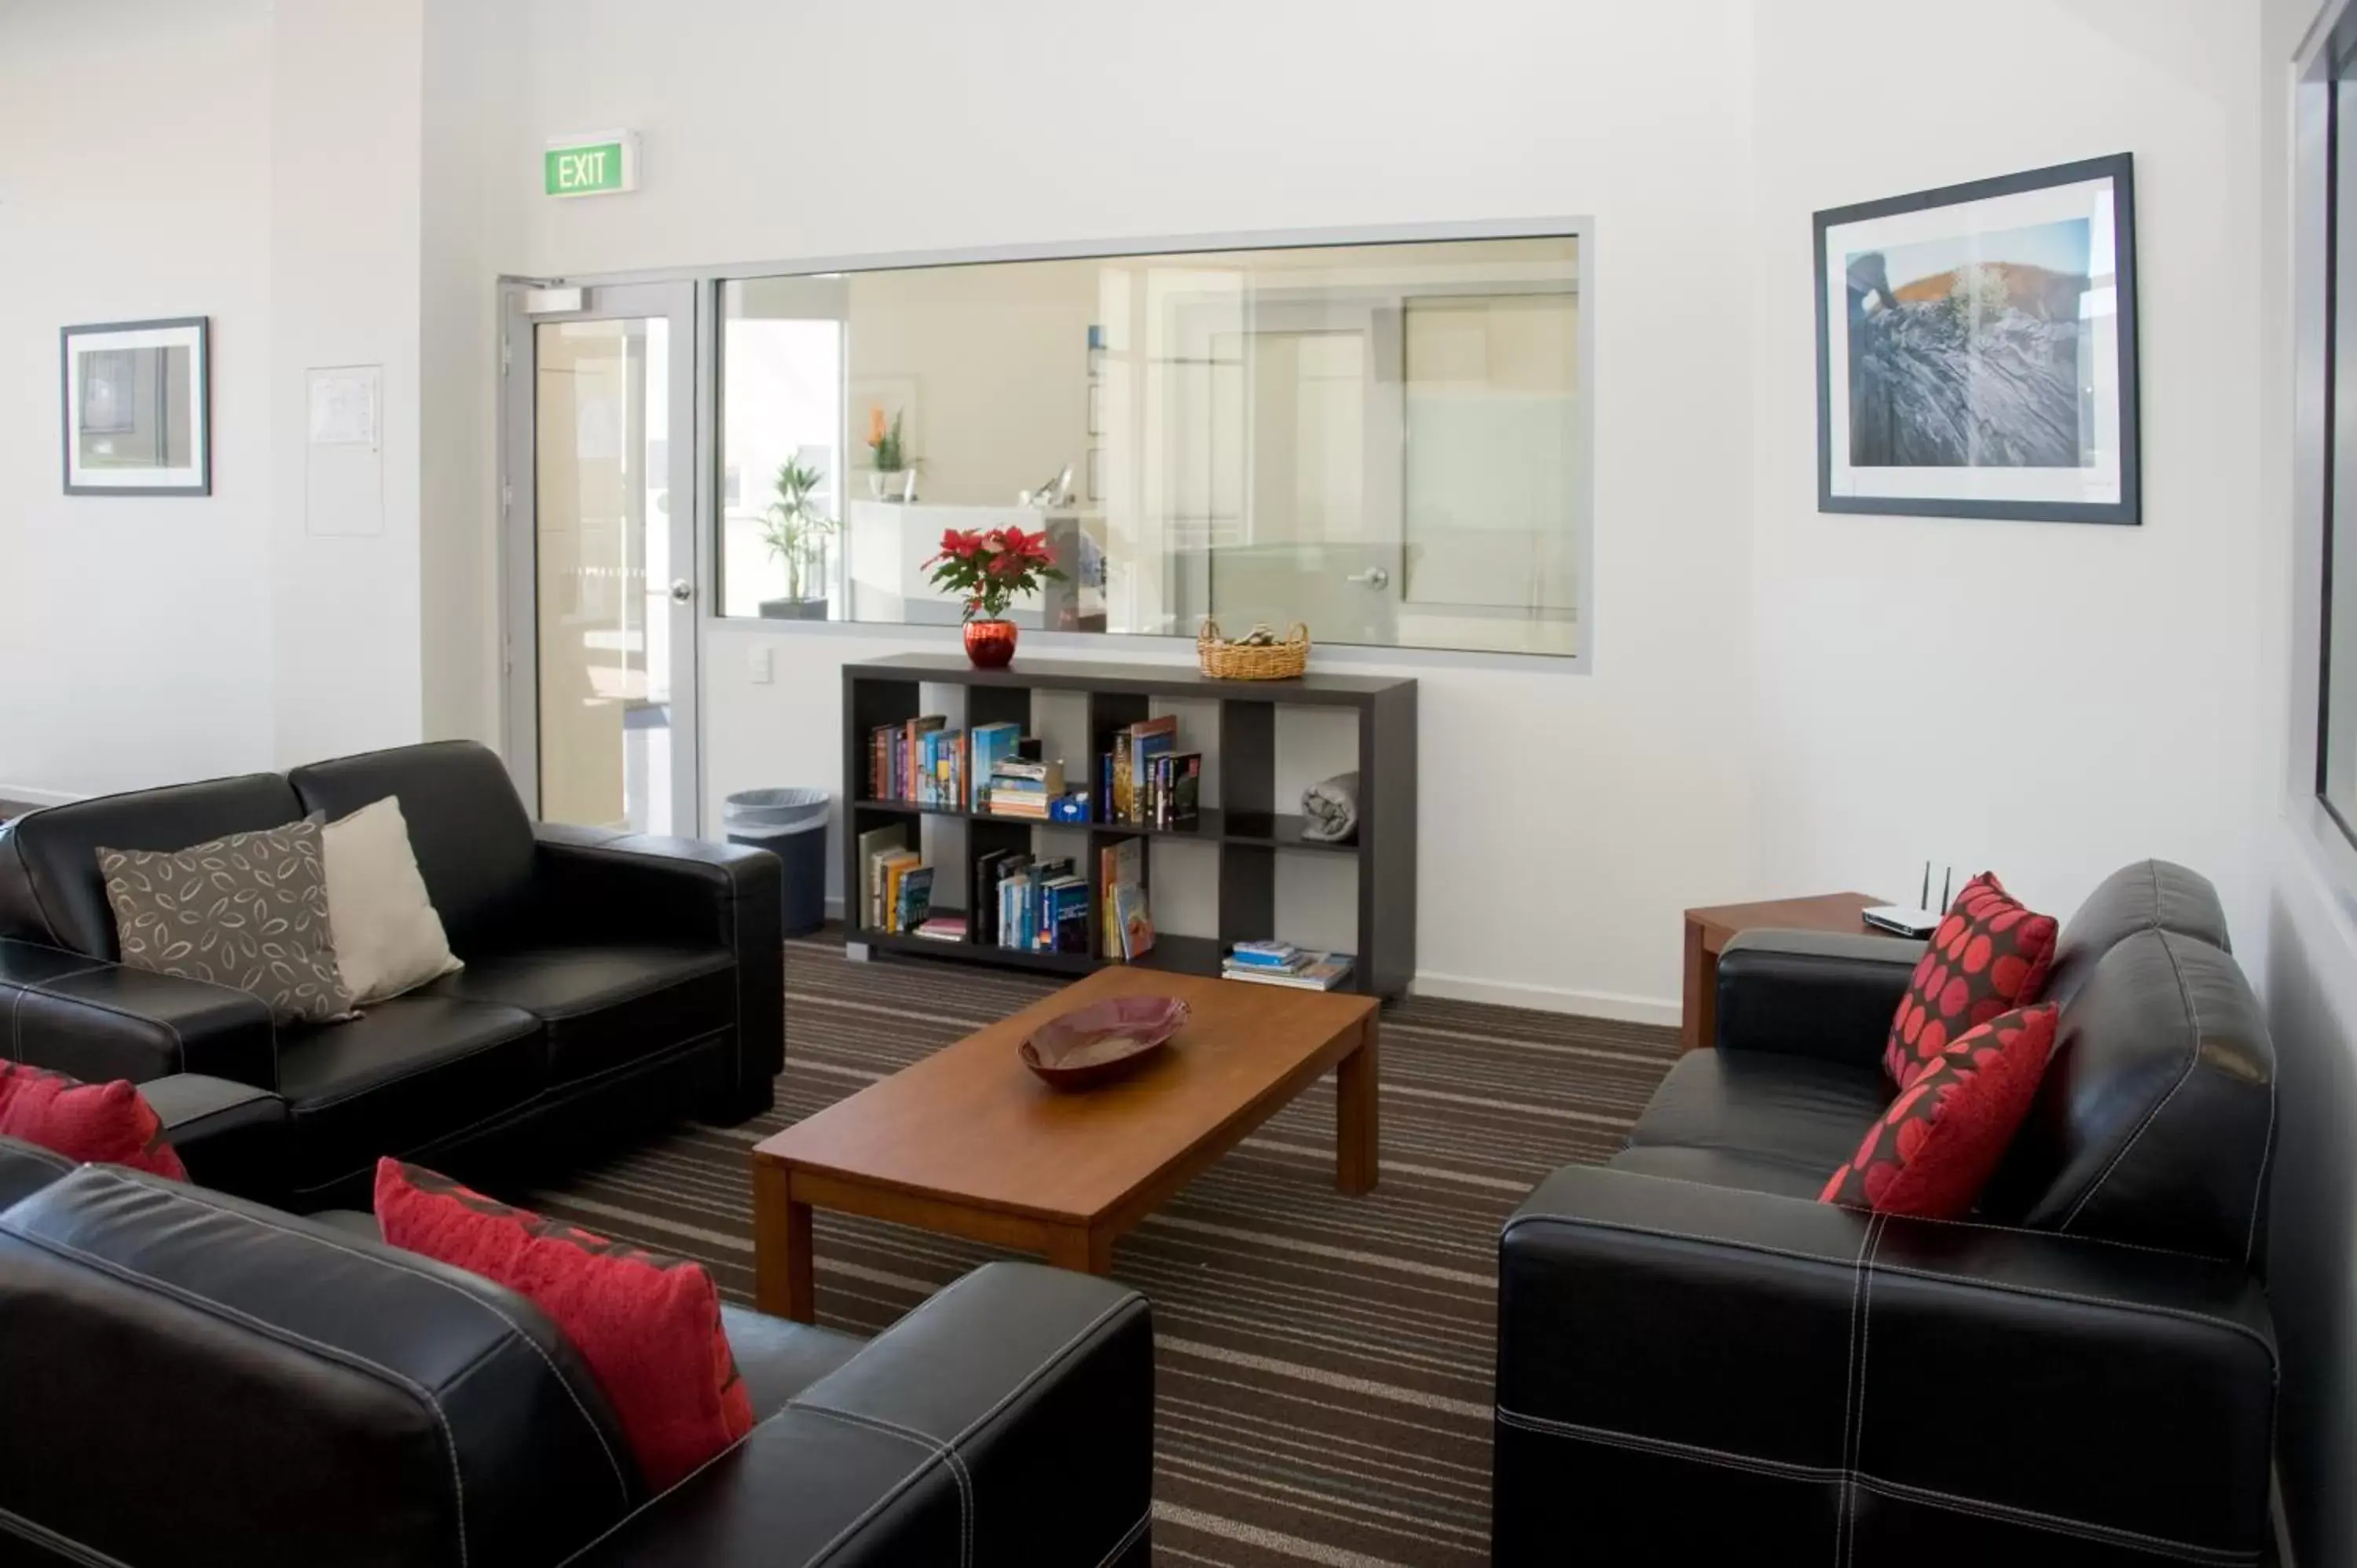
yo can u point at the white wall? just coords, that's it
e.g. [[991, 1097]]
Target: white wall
[[2051, 700], [1632, 791], [135, 183], [1737, 731], [345, 245]]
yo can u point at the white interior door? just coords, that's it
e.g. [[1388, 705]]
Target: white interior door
[[603, 585]]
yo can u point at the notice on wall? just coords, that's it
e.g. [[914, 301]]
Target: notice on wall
[[343, 406], [343, 477]]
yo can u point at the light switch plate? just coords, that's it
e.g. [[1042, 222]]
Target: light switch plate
[[764, 667]]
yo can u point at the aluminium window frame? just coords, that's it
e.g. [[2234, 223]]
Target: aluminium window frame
[[2328, 837]]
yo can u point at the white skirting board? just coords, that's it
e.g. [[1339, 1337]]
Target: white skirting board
[[1611, 1005], [1616, 1006]]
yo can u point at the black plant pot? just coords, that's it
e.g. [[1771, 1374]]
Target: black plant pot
[[793, 610]]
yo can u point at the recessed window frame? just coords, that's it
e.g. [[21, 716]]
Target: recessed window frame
[[711, 282]]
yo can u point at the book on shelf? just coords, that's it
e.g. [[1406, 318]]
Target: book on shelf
[[1267, 955], [1020, 788], [1172, 792], [920, 760], [913, 904], [874, 846], [1120, 863], [1313, 971], [1148, 739], [989, 870], [889, 867], [990, 743], [912, 754], [944, 928], [1131, 919]]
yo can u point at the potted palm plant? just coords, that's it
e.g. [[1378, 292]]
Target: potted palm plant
[[796, 530], [895, 477]]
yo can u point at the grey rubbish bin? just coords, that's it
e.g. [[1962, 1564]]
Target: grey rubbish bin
[[791, 825]]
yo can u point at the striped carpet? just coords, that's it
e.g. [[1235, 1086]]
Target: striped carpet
[[1323, 1382]]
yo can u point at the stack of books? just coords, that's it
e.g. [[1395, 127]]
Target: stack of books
[[1282, 964], [943, 929], [1030, 906], [1128, 930], [1022, 788], [1145, 779], [921, 759], [990, 743]]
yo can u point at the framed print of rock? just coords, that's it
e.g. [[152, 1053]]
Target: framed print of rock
[[137, 416], [1977, 350]]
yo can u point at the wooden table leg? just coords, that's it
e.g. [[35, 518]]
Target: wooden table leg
[[782, 1286], [1357, 1123], [1698, 1018], [1082, 1251]]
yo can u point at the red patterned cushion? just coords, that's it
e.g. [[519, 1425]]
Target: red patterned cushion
[[105, 1124], [1990, 955], [648, 1325], [1940, 1140]]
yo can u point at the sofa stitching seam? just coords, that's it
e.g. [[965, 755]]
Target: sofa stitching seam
[[271, 1331], [932, 1446], [33, 1531], [179, 1041], [2010, 1513], [529, 1107], [1131, 1302], [1128, 1538], [621, 1484], [1785, 1469], [2008, 1287], [2192, 1060]]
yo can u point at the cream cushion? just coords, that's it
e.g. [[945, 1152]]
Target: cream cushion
[[388, 938]]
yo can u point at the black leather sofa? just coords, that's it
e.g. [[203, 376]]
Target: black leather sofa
[[199, 1381], [611, 980], [1697, 1361]]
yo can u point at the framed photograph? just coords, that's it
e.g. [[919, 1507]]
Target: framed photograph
[[135, 408], [1977, 350]]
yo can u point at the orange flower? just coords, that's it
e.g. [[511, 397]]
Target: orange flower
[[874, 424]]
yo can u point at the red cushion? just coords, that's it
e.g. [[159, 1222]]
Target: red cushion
[[1940, 1141], [104, 1124], [1989, 956], [648, 1325]]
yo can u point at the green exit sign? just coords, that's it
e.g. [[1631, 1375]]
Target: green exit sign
[[596, 164]]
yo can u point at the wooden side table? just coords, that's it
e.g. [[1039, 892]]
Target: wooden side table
[[1708, 931]]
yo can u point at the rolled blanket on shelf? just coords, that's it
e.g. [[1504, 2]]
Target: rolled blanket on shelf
[[1332, 807]]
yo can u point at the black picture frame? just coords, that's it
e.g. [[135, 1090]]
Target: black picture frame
[[2119, 171], [90, 338]]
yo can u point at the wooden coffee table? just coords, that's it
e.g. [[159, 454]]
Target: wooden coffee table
[[968, 1142]]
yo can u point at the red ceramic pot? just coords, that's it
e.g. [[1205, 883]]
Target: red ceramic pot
[[990, 643]]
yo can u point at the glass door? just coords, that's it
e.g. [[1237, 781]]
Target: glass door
[[603, 588], [1289, 417]]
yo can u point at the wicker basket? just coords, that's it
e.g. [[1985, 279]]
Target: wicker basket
[[1225, 660]]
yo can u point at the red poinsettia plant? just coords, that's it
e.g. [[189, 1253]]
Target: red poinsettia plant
[[987, 570]]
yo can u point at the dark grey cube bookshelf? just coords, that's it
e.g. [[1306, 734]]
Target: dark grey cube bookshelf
[[1246, 826]]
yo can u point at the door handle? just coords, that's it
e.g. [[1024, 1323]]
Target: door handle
[[1374, 576], [682, 590]]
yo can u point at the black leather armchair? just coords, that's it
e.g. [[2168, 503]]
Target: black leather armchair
[[1697, 1358], [611, 980], [199, 1380]]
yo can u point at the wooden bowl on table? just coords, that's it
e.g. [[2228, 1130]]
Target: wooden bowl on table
[[1103, 1041]]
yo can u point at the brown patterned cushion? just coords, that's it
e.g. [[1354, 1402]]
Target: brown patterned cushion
[[248, 911]]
